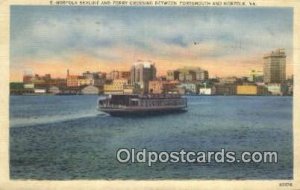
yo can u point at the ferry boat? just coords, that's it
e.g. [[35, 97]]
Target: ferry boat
[[121, 105]]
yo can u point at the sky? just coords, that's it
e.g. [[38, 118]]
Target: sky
[[224, 41]]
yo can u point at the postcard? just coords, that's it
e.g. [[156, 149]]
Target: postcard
[[149, 94]]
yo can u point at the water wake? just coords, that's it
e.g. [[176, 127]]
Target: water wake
[[23, 122]]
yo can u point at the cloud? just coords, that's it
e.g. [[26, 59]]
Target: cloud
[[119, 35]]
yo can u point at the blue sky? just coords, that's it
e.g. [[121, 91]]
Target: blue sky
[[43, 37]]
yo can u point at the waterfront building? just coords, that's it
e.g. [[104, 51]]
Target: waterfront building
[[252, 89], [20, 91], [99, 82], [246, 90], [33, 80], [95, 78], [262, 90], [207, 91], [131, 89], [225, 89], [189, 88], [286, 89], [82, 81], [170, 87], [255, 76], [116, 87], [70, 90], [162, 86], [40, 91], [36, 79], [141, 73], [275, 89], [275, 66], [87, 78], [16, 85], [290, 90], [59, 82], [16, 88], [72, 80], [29, 86], [156, 87], [44, 81], [54, 90], [89, 90]]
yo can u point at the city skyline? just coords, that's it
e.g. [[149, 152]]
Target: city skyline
[[104, 39]]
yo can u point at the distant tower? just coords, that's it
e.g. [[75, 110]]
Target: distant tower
[[141, 73], [27, 76], [274, 67], [68, 73]]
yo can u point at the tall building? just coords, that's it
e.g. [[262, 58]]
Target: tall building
[[274, 66], [187, 74], [141, 73], [172, 75], [113, 75]]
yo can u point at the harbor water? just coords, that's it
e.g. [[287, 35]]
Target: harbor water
[[65, 137]]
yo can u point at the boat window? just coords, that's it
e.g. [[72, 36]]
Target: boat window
[[134, 103], [101, 102]]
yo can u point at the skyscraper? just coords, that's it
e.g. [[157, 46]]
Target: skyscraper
[[141, 73], [274, 66]]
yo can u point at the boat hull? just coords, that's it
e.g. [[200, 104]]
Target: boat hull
[[142, 112]]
